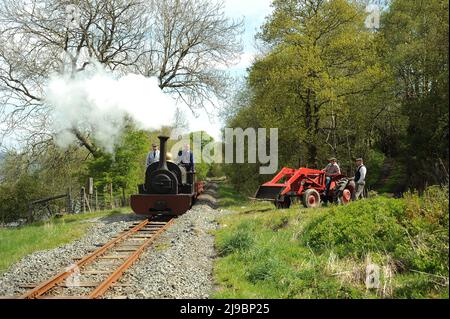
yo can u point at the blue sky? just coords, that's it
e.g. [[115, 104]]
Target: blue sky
[[253, 12]]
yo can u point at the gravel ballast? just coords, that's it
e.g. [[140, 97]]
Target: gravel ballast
[[42, 265], [177, 265], [180, 263]]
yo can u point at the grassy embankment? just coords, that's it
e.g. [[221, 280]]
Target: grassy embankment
[[18, 242], [323, 253]]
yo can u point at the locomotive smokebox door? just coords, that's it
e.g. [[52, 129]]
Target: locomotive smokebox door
[[162, 183]]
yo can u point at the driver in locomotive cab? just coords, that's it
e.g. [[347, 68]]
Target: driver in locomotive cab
[[186, 158], [153, 155]]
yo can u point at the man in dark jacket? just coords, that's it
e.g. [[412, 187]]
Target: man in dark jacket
[[153, 155], [360, 178]]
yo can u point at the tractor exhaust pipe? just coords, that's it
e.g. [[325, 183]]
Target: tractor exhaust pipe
[[162, 152]]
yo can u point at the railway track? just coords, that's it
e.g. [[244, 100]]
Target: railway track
[[91, 276]]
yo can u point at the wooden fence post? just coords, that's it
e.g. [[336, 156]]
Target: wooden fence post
[[111, 195], [123, 197], [69, 201], [82, 199], [96, 199], [87, 202], [30, 213]]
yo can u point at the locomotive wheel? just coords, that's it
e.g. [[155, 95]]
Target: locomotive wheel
[[283, 203], [346, 196], [311, 198]]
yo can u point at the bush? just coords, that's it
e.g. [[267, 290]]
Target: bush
[[413, 230], [215, 170], [356, 229], [407, 238], [396, 183], [201, 171], [15, 197], [427, 226]]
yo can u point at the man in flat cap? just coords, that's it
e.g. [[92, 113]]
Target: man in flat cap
[[360, 178], [153, 155], [332, 169]]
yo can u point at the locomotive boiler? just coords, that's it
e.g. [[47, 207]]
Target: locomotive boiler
[[168, 189]]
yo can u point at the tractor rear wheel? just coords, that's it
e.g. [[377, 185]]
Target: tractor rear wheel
[[311, 198], [346, 196]]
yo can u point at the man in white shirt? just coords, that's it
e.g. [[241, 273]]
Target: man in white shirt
[[360, 178], [153, 155], [186, 158]]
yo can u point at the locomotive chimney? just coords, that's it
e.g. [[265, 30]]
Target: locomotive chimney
[[162, 152]]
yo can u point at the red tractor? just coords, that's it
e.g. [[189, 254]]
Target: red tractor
[[306, 184]]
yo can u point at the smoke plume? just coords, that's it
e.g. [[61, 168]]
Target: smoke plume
[[95, 101]]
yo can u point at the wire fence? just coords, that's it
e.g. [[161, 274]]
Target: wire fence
[[97, 202], [76, 202]]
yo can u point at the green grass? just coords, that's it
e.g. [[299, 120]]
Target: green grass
[[323, 253], [19, 242], [231, 200]]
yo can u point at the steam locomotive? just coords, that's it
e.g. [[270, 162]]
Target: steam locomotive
[[168, 189]]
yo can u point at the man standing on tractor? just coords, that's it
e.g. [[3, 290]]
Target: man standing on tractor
[[332, 169], [360, 178]]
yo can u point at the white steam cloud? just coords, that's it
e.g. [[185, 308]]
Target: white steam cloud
[[98, 102]]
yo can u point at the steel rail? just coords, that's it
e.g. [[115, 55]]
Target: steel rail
[[51, 283], [108, 282]]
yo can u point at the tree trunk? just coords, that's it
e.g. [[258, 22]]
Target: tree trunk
[[312, 127], [86, 143]]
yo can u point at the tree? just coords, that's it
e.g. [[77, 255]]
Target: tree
[[24, 178], [180, 121], [189, 41], [39, 38], [335, 88], [416, 35], [322, 60], [125, 169], [182, 43]]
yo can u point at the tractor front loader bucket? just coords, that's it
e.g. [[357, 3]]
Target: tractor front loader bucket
[[269, 193]]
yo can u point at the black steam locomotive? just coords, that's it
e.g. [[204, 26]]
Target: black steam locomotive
[[168, 189]]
